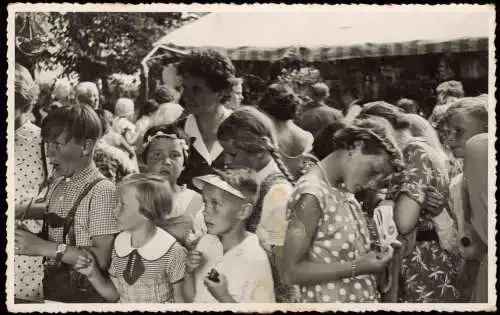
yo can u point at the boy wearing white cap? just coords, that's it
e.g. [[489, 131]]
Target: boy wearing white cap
[[228, 264], [124, 112]]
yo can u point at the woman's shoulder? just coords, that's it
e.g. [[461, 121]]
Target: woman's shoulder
[[30, 132], [303, 137], [310, 184]]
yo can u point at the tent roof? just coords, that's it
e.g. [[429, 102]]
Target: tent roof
[[333, 35]]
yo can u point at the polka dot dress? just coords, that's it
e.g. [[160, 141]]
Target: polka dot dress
[[341, 236], [28, 174]]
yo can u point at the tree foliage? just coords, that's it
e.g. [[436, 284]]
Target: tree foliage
[[110, 42]]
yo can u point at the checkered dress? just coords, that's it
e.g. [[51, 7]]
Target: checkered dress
[[94, 216], [156, 284]]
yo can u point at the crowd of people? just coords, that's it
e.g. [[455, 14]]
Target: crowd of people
[[193, 197]]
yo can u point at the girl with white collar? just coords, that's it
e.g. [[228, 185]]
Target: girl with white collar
[[147, 263]]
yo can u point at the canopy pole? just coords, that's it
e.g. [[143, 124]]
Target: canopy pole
[[152, 52], [145, 80]]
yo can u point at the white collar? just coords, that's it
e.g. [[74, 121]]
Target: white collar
[[154, 249], [270, 168], [193, 130]]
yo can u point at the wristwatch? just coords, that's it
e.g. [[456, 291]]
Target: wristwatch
[[61, 249]]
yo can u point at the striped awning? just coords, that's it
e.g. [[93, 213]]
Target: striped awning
[[326, 36], [367, 50]]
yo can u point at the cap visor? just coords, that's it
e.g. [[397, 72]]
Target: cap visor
[[216, 181]]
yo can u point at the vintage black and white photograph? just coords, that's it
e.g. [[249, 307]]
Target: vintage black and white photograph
[[256, 157]]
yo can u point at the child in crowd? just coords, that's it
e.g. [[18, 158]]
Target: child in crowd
[[87, 93], [112, 161], [466, 119], [228, 265], [114, 138], [147, 264], [166, 152], [249, 141], [123, 122]]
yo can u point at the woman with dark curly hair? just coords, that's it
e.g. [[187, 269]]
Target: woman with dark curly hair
[[328, 246], [280, 102], [207, 82]]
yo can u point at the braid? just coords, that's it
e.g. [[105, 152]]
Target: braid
[[281, 165]]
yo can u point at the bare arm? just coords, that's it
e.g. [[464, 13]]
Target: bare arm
[[105, 287], [179, 292], [301, 230], [86, 265], [124, 144], [101, 248], [34, 212], [188, 288], [406, 212]]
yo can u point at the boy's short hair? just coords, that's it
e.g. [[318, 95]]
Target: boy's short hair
[[80, 122], [320, 90], [238, 182]]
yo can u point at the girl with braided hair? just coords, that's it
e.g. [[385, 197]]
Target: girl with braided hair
[[249, 141], [328, 247]]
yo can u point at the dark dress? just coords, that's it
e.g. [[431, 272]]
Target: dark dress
[[197, 165]]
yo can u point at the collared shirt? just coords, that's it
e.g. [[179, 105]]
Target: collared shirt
[[94, 215], [193, 130], [273, 224], [164, 262], [245, 266]]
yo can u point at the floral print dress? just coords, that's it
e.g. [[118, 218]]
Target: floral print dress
[[341, 236], [429, 273]]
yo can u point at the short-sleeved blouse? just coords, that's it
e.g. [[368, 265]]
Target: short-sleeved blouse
[[164, 266], [341, 236], [428, 271], [420, 173]]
